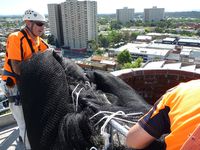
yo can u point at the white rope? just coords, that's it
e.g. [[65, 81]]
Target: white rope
[[101, 120], [124, 120], [101, 112], [93, 148], [77, 96], [135, 114], [73, 97], [104, 134], [109, 112], [88, 84], [109, 118], [75, 101]]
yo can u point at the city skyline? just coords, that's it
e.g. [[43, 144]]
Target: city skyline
[[13, 7]]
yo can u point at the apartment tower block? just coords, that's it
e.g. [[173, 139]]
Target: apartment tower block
[[125, 15], [153, 14], [78, 22]]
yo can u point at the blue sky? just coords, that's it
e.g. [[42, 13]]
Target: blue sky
[[17, 7]]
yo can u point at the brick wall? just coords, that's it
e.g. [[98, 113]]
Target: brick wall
[[152, 84]]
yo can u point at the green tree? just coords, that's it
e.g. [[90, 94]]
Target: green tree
[[124, 57], [186, 33], [103, 41], [103, 21], [136, 64], [159, 30], [115, 37], [99, 52], [134, 35], [147, 30], [114, 25], [139, 23], [93, 45]]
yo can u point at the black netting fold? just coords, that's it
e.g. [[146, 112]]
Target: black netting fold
[[45, 96]]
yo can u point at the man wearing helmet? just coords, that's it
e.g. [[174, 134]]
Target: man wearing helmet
[[20, 46]]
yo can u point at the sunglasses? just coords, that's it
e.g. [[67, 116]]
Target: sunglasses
[[39, 23]]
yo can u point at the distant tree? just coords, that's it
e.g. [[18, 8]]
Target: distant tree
[[115, 37], [114, 25], [93, 44], [147, 30], [134, 35], [103, 41], [139, 23], [124, 57], [136, 64], [186, 33], [172, 31], [126, 36], [164, 24], [99, 52], [103, 21], [129, 24], [159, 30]]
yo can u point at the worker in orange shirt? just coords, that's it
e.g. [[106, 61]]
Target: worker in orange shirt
[[176, 114], [20, 46]]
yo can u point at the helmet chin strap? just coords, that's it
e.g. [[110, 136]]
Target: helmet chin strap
[[30, 30]]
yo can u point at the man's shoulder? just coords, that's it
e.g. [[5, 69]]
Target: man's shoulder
[[189, 86], [16, 34]]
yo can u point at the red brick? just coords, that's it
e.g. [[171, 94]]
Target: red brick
[[150, 72], [174, 72], [138, 73]]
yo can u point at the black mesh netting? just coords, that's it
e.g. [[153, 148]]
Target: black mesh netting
[[59, 99], [45, 98]]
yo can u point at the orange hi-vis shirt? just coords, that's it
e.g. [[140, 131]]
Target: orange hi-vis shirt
[[20, 46], [177, 114]]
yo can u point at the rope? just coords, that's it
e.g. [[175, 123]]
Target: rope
[[75, 102], [109, 118], [120, 119]]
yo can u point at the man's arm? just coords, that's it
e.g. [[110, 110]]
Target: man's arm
[[16, 66], [138, 138]]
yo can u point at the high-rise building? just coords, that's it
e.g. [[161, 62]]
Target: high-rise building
[[79, 22], [55, 21], [125, 15], [153, 14]]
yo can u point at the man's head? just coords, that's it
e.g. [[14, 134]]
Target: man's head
[[34, 22]]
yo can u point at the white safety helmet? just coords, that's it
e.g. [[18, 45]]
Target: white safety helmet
[[33, 16]]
